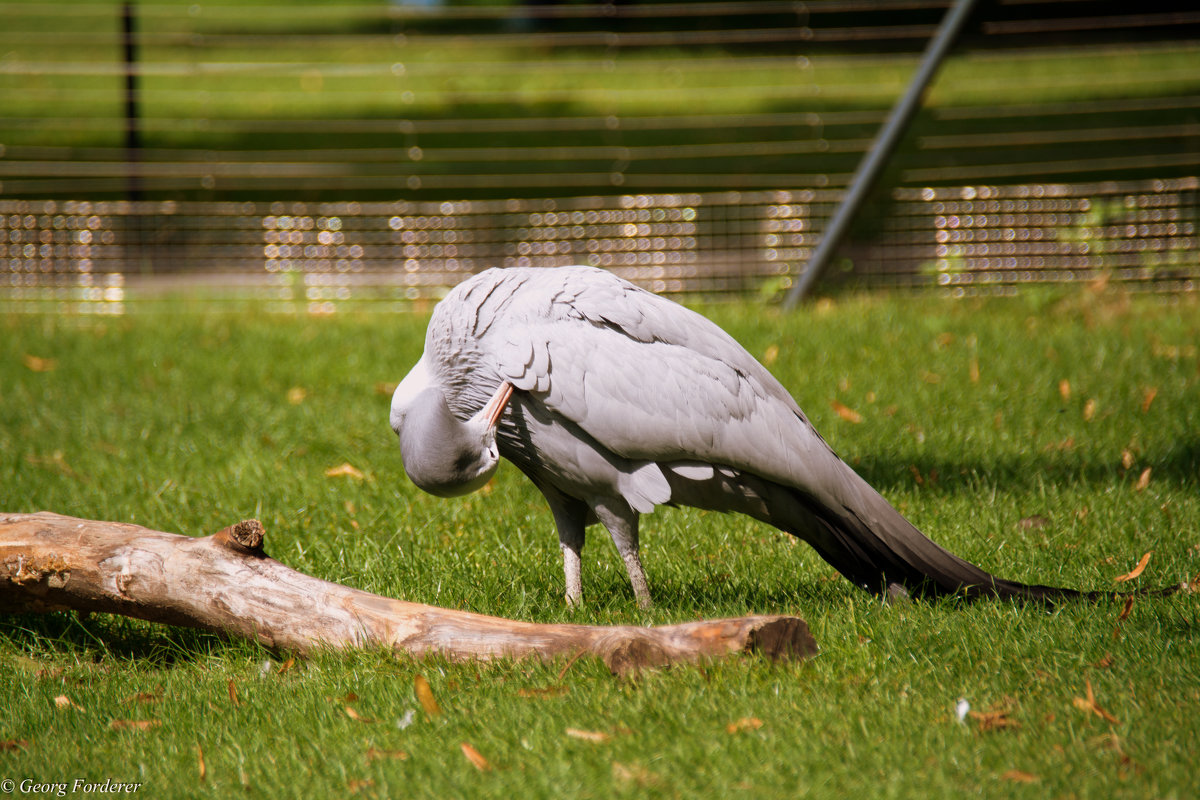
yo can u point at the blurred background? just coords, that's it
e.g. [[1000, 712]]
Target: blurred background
[[319, 156]]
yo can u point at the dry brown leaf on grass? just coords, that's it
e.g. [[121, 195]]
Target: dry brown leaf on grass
[[35, 364], [1089, 410], [375, 754], [1033, 523], [1143, 481], [62, 701], [597, 737], [476, 758], [1148, 395], [920, 479], [354, 715], [1020, 776], [8, 745], [200, 765], [233, 694], [845, 412], [134, 724], [1136, 571], [142, 697], [993, 720], [996, 718], [634, 773], [1089, 704], [425, 696], [296, 395], [744, 724], [345, 471], [1124, 615], [1064, 389]]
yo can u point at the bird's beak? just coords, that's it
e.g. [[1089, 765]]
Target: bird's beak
[[496, 405]]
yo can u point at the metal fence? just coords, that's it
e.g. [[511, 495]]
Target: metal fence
[[92, 257], [322, 155]]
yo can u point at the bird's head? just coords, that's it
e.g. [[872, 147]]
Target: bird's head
[[442, 454]]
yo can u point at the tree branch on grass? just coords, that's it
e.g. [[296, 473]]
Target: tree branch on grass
[[225, 583]]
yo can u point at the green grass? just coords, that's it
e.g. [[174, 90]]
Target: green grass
[[182, 422]]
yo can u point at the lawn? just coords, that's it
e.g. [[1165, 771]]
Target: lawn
[[1050, 438]]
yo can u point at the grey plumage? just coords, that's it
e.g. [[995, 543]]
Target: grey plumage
[[621, 401]]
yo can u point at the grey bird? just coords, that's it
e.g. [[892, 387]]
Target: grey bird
[[614, 400]]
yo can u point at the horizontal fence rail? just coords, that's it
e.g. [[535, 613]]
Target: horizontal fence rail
[[95, 257]]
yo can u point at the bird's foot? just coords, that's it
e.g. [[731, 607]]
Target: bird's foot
[[637, 579]]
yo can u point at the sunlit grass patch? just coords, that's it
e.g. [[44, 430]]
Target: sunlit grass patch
[[186, 423]]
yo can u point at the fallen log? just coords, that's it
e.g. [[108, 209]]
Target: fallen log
[[227, 584]]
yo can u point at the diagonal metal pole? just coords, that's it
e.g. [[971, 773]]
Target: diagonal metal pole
[[885, 143]]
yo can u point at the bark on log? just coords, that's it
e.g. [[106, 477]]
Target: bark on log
[[227, 584]]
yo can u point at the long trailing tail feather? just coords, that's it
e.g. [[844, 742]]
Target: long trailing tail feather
[[897, 556], [863, 536], [892, 556]]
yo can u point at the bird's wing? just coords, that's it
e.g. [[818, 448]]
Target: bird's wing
[[652, 380]]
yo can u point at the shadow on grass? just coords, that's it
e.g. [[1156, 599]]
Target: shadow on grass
[[1180, 466], [724, 595], [97, 637]]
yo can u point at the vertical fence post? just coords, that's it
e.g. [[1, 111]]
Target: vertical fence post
[[132, 128], [875, 159], [138, 256]]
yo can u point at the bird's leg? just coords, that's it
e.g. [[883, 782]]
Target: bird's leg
[[571, 546], [622, 525], [569, 518]]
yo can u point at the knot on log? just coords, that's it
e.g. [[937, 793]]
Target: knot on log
[[21, 570], [778, 638], [783, 639], [243, 537]]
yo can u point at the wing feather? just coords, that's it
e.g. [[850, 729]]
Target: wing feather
[[651, 380]]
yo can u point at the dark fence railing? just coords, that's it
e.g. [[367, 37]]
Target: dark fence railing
[[96, 257]]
